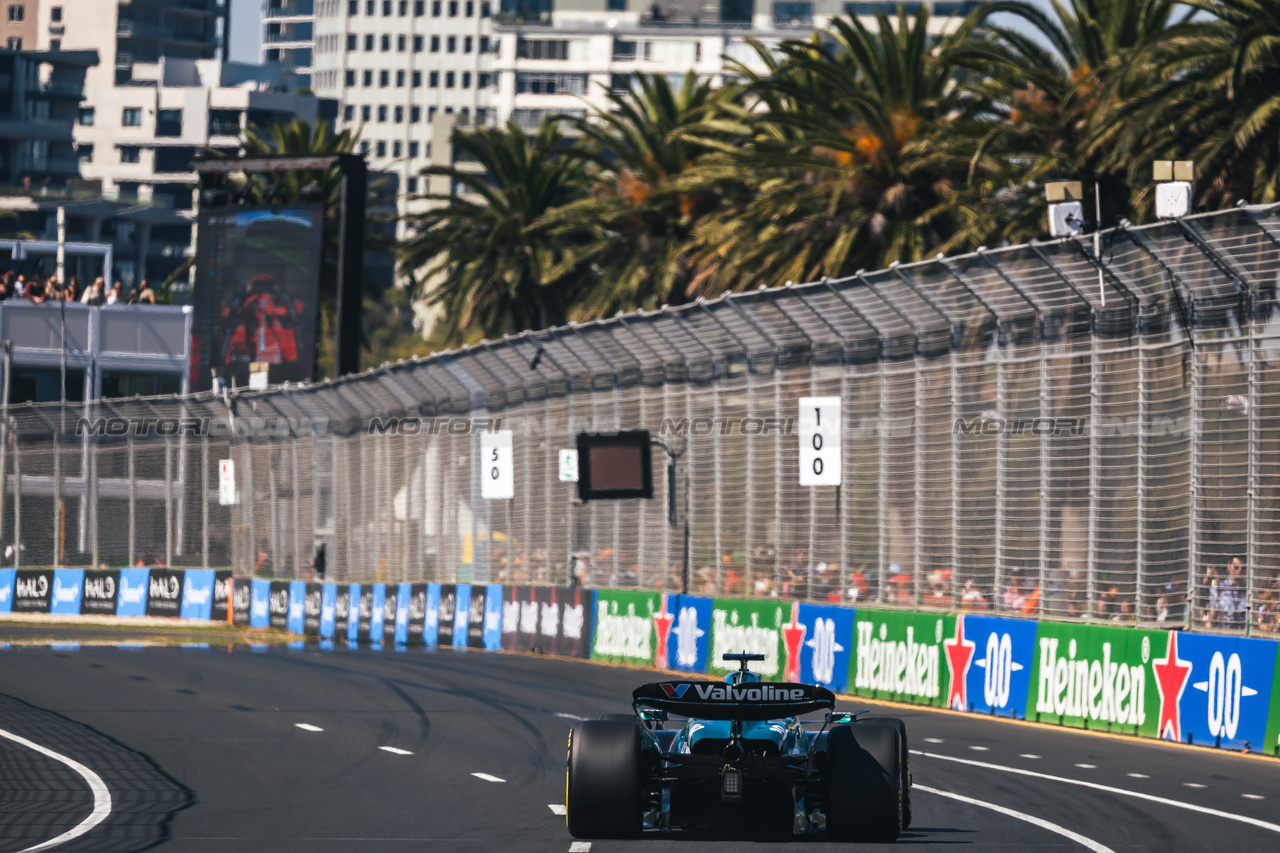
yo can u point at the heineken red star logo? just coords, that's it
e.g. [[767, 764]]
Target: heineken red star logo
[[793, 639], [662, 623], [1172, 675], [959, 655]]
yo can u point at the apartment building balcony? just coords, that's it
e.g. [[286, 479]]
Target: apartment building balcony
[[43, 129]]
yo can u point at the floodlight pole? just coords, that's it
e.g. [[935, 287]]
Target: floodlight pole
[[672, 514]]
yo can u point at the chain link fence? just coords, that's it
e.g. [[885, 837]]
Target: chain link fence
[[1039, 430]]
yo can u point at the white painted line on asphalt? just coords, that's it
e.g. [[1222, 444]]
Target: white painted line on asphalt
[[934, 740], [569, 716], [485, 776], [307, 727], [580, 847], [980, 748], [101, 796], [1253, 796], [1029, 755], [1087, 766], [556, 808], [1194, 785], [1088, 843], [1192, 807], [1138, 775], [395, 750]]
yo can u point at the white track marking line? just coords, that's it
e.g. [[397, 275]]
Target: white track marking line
[[1087, 766], [1253, 796], [101, 796], [980, 748], [307, 727], [569, 716], [1194, 785], [1088, 843], [1108, 788], [395, 750], [580, 847], [934, 740], [486, 777], [556, 808], [1138, 775], [1029, 755]]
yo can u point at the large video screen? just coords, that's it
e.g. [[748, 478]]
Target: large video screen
[[256, 293]]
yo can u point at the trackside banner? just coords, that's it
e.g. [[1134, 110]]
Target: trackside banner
[[989, 660], [1226, 686], [100, 590], [683, 634], [197, 594], [68, 589], [755, 627], [625, 631], [899, 655], [6, 590]]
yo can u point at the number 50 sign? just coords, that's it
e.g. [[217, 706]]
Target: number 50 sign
[[497, 474], [820, 441]]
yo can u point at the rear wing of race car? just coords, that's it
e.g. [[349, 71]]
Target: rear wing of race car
[[717, 700]]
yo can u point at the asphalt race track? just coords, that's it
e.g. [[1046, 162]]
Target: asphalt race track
[[203, 749]]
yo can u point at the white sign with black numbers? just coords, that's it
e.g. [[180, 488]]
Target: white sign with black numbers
[[820, 441], [497, 473]]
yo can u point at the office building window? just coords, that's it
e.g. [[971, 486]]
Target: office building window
[[169, 123], [353, 41], [435, 44], [484, 80], [382, 148], [85, 153], [435, 8], [482, 115], [417, 44], [416, 80], [353, 7], [398, 115], [413, 149], [15, 44], [466, 79], [419, 8], [386, 8], [402, 42], [386, 43], [368, 42], [466, 44], [541, 83], [484, 44], [86, 117], [349, 77], [431, 114], [433, 79], [130, 154], [404, 8], [415, 115], [484, 10], [451, 44], [617, 5], [471, 8], [453, 8], [397, 149], [399, 78], [448, 79], [364, 147], [412, 184], [371, 7], [366, 113], [382, 114], [17, 13], [131, 117], [55, 44], [348, 113], [55, 15], [368, 78], [384, 79]]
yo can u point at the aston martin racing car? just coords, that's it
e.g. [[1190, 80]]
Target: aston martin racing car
[[697, 754]]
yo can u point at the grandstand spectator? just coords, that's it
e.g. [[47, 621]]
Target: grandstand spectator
[[35, 290], [114, 296], [93, 294], [146, 294], [971, 597]]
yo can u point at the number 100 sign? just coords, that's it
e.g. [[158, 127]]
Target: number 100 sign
[[497, 474], [820, 441]]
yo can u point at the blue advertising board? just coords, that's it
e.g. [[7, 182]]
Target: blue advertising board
[[493, 616], [378, 616], [328, 610], [197, 594], [1225, 685], [353, 613], [462, 606], [68, 587], [989, 660], [683, 632], [825, 645], [431, 625], [6, 590], [403, 593], [132, 600], [260, 604], [297, 607]]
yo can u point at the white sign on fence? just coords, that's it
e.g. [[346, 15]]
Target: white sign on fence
[[497, 471], [568, 466], [820, 463], [226, 482]]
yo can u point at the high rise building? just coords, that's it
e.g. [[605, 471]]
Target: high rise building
[[288, 35]]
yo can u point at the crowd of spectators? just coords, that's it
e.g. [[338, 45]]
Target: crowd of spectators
[[39, 288]]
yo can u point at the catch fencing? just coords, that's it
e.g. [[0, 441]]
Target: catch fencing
[[1039, 430]]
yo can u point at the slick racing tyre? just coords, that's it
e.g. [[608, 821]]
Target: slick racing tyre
[[602, 785], [904, 764], [864, 783]]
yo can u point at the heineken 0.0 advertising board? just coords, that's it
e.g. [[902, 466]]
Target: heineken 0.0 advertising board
[[989, 662], [1225, 688], [1271, 742], [625, 629], [1101, 677], [899, 655], [754, 627]]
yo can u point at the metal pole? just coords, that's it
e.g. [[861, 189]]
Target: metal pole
[[57, 499], [204, 502], [275, 511], [4, 431], [956, 468], [1140, 581], [1044, 480], [17, 503], [168, 502], [133, 501], [883, 487], [62, 303], [1197, 457], [91, 497]]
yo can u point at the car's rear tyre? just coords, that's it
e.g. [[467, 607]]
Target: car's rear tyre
[[602, 784], [864, 783], [904, 764]]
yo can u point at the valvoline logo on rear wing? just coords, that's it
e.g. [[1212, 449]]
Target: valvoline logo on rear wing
[[714, 700]]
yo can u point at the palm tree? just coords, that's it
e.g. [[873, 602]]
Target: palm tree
[[636, 225], [845, 161], [483, 249], [1216, 101]]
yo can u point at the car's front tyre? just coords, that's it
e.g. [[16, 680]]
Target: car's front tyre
[[602, 784]]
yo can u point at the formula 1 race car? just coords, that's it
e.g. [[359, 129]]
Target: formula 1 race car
[[742, 755]]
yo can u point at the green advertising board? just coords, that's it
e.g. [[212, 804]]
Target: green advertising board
[[1272, 744], [1095, 676], [754, 627], [625, 631], [898, 655]]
